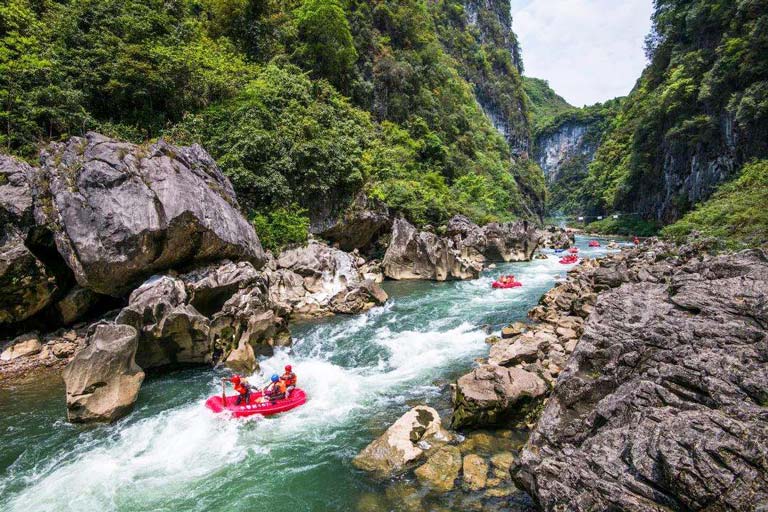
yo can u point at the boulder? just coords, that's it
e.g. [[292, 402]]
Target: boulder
[[121, 212], [662, 404], [103, 379], [211, 286], [512, 241], [414, 254], [524, 349], [76, 304], [318, 280], [171, 332], [404, 443], [249, 317], [491, 393], [242, 360], [441, 469], [358, 299], [27, 286], [555, 238], [475, 472], [23, 346], [358, 226], [513, 330]]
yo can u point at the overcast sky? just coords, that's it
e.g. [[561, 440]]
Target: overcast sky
[[589, 50]]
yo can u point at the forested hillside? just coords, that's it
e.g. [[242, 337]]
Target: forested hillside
[[697, 115], [544, 103], [302, 103]]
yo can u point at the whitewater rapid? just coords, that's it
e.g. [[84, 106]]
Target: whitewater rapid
[[359, 373]]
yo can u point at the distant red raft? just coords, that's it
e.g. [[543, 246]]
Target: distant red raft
[[594, 243], [499, 284], [268, 408], [573, 250], [569, 260]]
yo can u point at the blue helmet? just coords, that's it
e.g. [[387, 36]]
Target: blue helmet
[[275, 378]]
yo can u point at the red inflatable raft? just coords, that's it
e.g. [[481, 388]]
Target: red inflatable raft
[[499, 284], [573, 250], [594, 243], [268, 408], [568, 260]]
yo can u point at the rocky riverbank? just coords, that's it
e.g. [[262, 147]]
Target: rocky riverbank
[[118, 258], [639, 378]]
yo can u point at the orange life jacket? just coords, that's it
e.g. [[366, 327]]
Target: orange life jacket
[[289, 379], [276, 388], [241, 388]]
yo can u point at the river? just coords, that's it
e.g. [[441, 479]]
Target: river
[[171, 454]]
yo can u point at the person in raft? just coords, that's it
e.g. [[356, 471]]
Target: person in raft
[[242, 388], [275, 390], [289, 379]]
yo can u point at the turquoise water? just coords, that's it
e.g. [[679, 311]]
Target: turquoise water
[[172, 454]]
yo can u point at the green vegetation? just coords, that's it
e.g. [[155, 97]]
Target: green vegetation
[[545, 104], [282, 227], [302, 102], [703, 91], [624, 226], [566, 192], [737, 214]]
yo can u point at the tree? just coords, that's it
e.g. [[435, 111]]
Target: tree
[[326, 45]]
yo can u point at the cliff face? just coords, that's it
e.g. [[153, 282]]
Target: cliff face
[[497, 76], [564, 148], [554, 151], [696, 116]]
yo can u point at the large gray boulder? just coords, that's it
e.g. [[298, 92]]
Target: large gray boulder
[[171, 332], [510, 241], [103, 379], [358, 226], [662, 405], [406, 442], [414, 254], [490, 393], [249, 317], [317, 280], [27, 285], [211, 286], [121, 212]]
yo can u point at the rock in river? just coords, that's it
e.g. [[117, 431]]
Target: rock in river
[[404, 443], [103, 379], [491, 393], [414, 254]]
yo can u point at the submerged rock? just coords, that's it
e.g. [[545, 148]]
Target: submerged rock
[[475, 472], [120, 212], [441, 469], [491, 393], [414, 254], [405, 442], [103, 379], [662, 405]]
